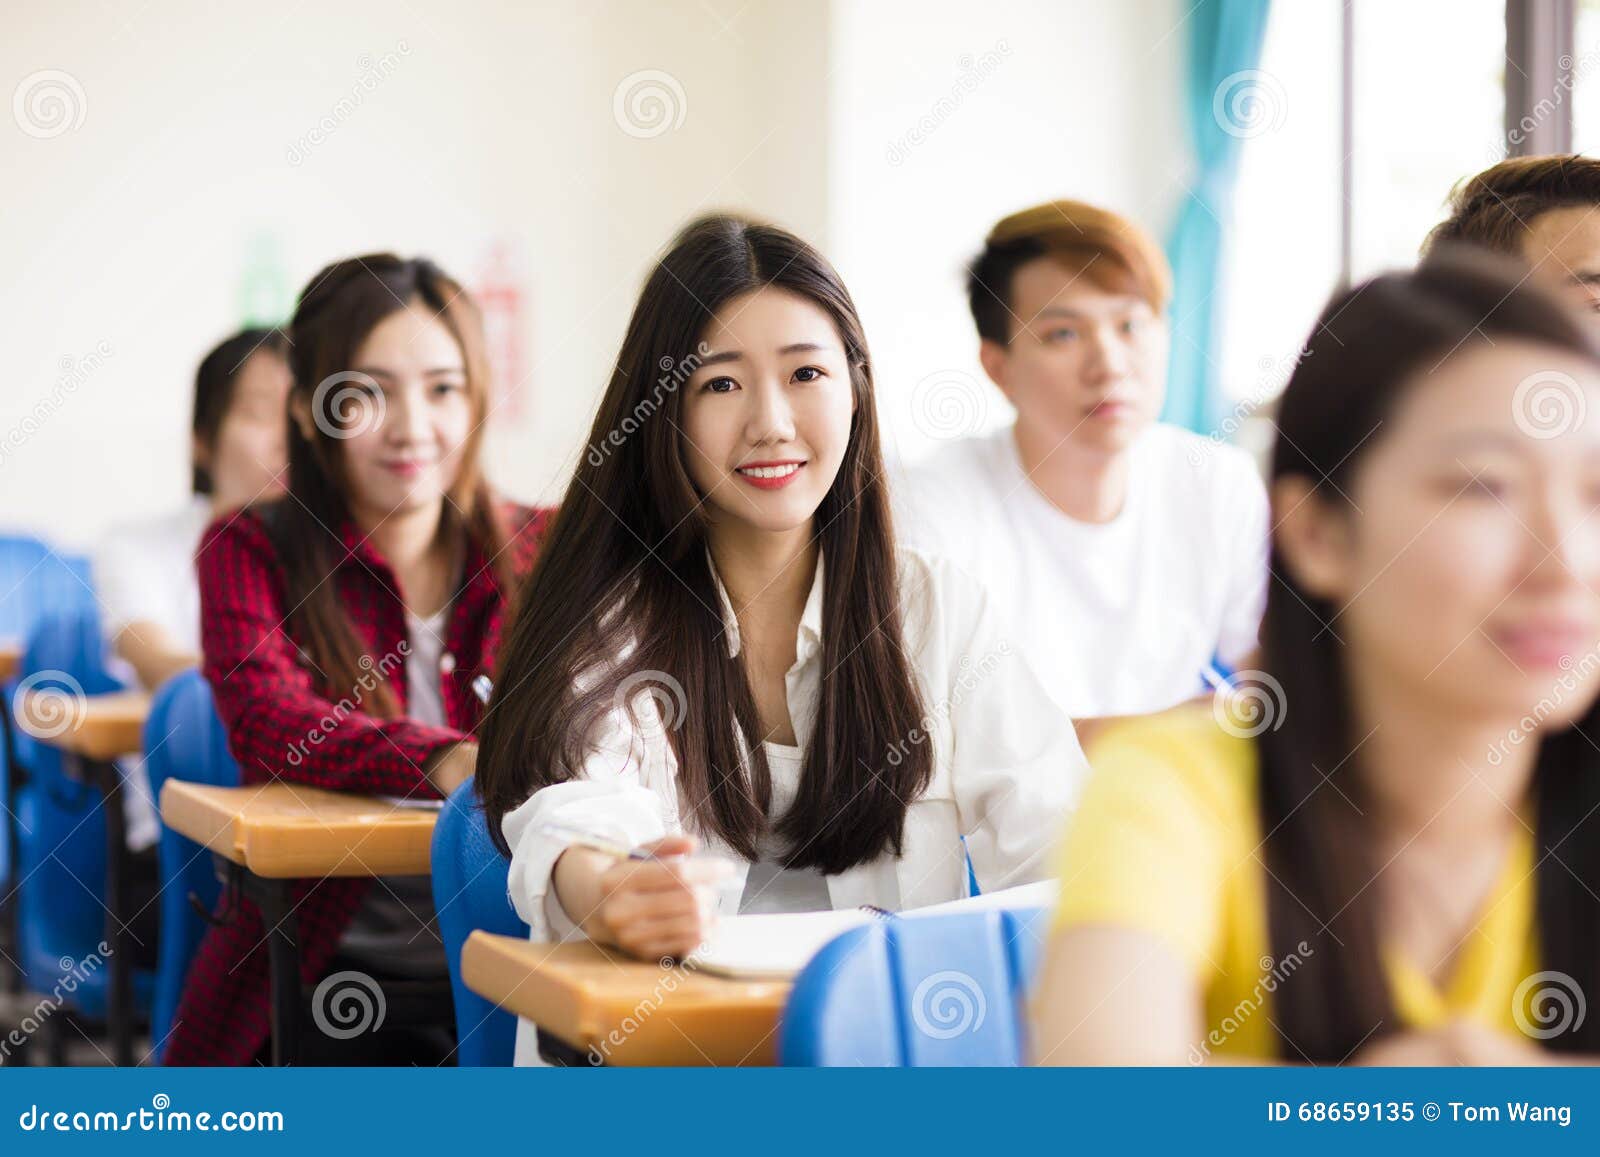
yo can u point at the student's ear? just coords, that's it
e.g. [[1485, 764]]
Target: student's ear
[[300, 415], [199, 453], [1313, 535], [993, 357]]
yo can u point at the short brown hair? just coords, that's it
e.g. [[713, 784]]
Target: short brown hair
[[1112, 251], [1495, 208]]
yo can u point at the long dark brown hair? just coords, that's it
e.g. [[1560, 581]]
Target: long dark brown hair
[[631, 538], [336, 312], [1370, 346]]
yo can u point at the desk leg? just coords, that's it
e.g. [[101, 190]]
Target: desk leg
[[283, 951], [120, 1010]]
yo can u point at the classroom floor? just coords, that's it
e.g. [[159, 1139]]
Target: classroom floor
[[83, 1046]]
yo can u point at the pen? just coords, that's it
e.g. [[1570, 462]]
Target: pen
[[577, 837]]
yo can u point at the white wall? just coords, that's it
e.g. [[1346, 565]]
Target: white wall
[[444, 129], [949, 116]]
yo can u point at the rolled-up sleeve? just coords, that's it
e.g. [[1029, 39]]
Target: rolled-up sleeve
[[621, 797]]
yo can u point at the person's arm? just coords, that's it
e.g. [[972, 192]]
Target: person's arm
[[1140, 918], [280, 725], [1109, 995], [652, 909], [152, 653]]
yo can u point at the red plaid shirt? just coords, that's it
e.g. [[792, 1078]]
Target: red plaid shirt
[[272, 702]]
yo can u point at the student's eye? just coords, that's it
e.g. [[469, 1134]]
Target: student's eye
[[720, 385], [1484, 486], [808, 374], [1133, 325], [444, 389], [1060, 334]]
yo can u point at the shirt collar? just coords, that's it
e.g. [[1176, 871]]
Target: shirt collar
[[807, 638]]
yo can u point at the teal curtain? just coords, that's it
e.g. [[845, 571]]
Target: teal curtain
[[1227, 101]]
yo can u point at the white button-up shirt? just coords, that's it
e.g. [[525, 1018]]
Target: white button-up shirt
[[1007, 764]]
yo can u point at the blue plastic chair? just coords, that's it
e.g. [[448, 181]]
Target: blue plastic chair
[[918, 992], [471, 890], [61, 829], [34, 582], [184, 740]]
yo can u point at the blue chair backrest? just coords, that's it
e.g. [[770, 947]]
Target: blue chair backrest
[[61, 827], [36, 581], [916, 992], [471, 890], [184, 740]]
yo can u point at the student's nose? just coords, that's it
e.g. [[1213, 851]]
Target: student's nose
[[1108, 353], [770, 419], [406, 422], [1564, 540]]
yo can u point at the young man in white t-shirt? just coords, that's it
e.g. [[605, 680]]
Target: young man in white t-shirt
[[1127, 555]]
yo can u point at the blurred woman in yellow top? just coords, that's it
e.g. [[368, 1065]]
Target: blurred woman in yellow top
[[1385, 847]]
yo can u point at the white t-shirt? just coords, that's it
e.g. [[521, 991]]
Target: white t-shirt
[[144, 572], [424, 692], [769, 886], [1118, 618]]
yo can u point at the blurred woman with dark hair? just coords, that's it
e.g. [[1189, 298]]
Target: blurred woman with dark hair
[[343, 624], [1386, 850]]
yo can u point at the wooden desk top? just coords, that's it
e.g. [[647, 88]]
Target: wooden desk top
[[10, 658], [94, 726], [285, 831], [628, 1012]]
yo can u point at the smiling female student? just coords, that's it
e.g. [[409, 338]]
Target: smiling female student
[[1387, 851], [731, 650], [344, 623]]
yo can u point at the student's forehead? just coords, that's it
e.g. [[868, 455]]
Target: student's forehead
[[770, 317], [1518, 395], [1570, 233], [1047, 282]]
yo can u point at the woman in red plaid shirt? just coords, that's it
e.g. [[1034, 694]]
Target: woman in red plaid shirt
[[343, 624]]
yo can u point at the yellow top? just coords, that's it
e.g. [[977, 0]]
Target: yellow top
[[1165, 841]]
